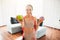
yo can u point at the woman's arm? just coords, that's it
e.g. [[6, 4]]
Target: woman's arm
[[38, 22], [22, 21], [35, 24]]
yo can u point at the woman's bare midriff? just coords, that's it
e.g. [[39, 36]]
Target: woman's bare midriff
[[29, 31]]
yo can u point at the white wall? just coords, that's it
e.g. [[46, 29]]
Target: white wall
[[0, 15], [37, 7], [15, 7], [51, 11], [49, 8], [8, 10]]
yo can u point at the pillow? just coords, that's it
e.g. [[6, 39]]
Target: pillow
[[13, 21]]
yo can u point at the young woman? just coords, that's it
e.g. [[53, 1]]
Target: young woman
[[29, 24]]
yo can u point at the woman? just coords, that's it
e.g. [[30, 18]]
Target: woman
[[29, 24]]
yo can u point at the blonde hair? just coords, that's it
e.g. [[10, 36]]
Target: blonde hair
[[30, 6]]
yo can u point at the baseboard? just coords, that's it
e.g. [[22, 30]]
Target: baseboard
[[52, 27], [2, 25]]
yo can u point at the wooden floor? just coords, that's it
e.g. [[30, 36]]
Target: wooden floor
[[51, 34]]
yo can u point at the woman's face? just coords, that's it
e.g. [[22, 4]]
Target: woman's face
[[29, 10]]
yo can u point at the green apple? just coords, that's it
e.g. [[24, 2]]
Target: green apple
[[20, 17]]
